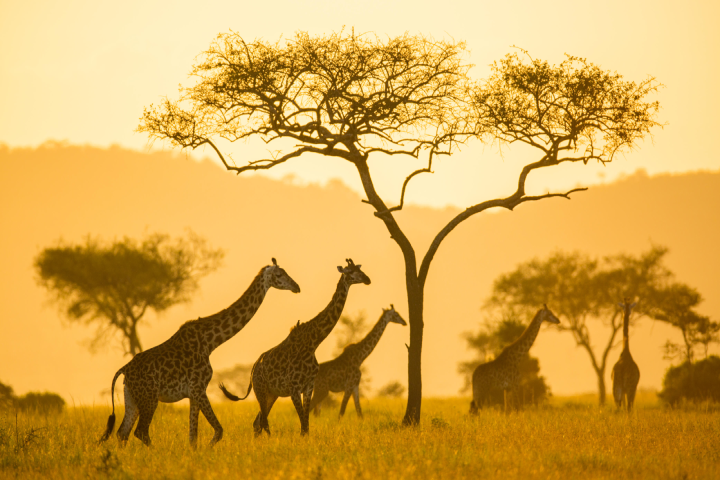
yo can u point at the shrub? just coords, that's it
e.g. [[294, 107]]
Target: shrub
[[6, 396], [44, 402], [695, 382], [392, 389]]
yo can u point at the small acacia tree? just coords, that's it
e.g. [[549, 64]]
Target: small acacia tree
[[113, 285], [676, 304], [353, 97], [582, 290]]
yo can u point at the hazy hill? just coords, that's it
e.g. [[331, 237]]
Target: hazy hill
[[69, 191]]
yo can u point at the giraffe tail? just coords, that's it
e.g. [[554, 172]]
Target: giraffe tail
[[235, 398], [111, 418]]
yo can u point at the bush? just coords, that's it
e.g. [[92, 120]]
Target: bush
[[6, 396], [392, 389], [695, 382], [45, 402]]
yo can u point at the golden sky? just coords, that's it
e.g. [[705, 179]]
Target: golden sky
[[82, 71]]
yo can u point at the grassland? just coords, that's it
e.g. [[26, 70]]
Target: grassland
[[570, 438]]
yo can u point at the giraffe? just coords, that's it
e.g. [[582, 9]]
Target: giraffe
[[503, 372], [343, 374], [289, 369], [180, 367], [625, 374]]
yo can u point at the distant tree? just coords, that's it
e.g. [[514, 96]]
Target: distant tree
[[675, 304], [113, 285], [692, 381], [41, 402], [580, 290], [392, 390], [349, 330], [353, 97], [487, 343]]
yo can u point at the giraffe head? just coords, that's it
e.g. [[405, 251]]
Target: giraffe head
[[548, 316], [353, 274], [626, 305], [275, 276], [390, 315]]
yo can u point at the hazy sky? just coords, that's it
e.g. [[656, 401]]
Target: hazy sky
[[82, 71]]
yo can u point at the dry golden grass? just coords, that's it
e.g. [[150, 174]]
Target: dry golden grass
[[570, 438]]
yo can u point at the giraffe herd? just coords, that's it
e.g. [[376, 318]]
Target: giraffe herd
[[180, 367]]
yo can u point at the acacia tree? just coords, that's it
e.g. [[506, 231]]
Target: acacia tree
[[353, 97], [114, 285], [581, 290], [676, 305]]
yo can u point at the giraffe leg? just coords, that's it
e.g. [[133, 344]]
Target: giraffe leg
[[207, 411], [318, 396], [618, 396], [147, 407], [307, 396], [630, 398], [345, 399], [131, 415], [266, 402], [356, 399], [508, 395], [194, 414], [304, 424]]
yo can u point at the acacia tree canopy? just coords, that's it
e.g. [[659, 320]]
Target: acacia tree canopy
[[112, 285], [352, 96]]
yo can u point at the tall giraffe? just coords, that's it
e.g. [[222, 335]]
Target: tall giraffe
[[503, 372], [343, 374], [625, 374], [289, 369], [180, 367]]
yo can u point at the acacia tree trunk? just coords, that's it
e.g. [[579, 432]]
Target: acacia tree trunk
[[415, 307], [134, 346], [601, 385]]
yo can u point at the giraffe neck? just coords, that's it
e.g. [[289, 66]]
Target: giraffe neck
[[365, 346], [520, 347], [323, 323], [222, 326], [626, 329]]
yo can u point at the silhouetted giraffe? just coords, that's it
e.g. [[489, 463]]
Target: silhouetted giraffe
[[289, 369], [343, 374], [503, 372], [625, 374], [180, 367]]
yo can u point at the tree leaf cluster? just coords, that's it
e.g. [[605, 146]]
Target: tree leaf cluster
[[572, 107]]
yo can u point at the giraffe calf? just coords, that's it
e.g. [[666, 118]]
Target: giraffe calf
[[343, 374]]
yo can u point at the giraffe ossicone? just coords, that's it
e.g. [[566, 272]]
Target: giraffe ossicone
[[180, 367], [343, 373], [503, 372], [290, 368]]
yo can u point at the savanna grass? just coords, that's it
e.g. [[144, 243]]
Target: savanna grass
[[569, 438]]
